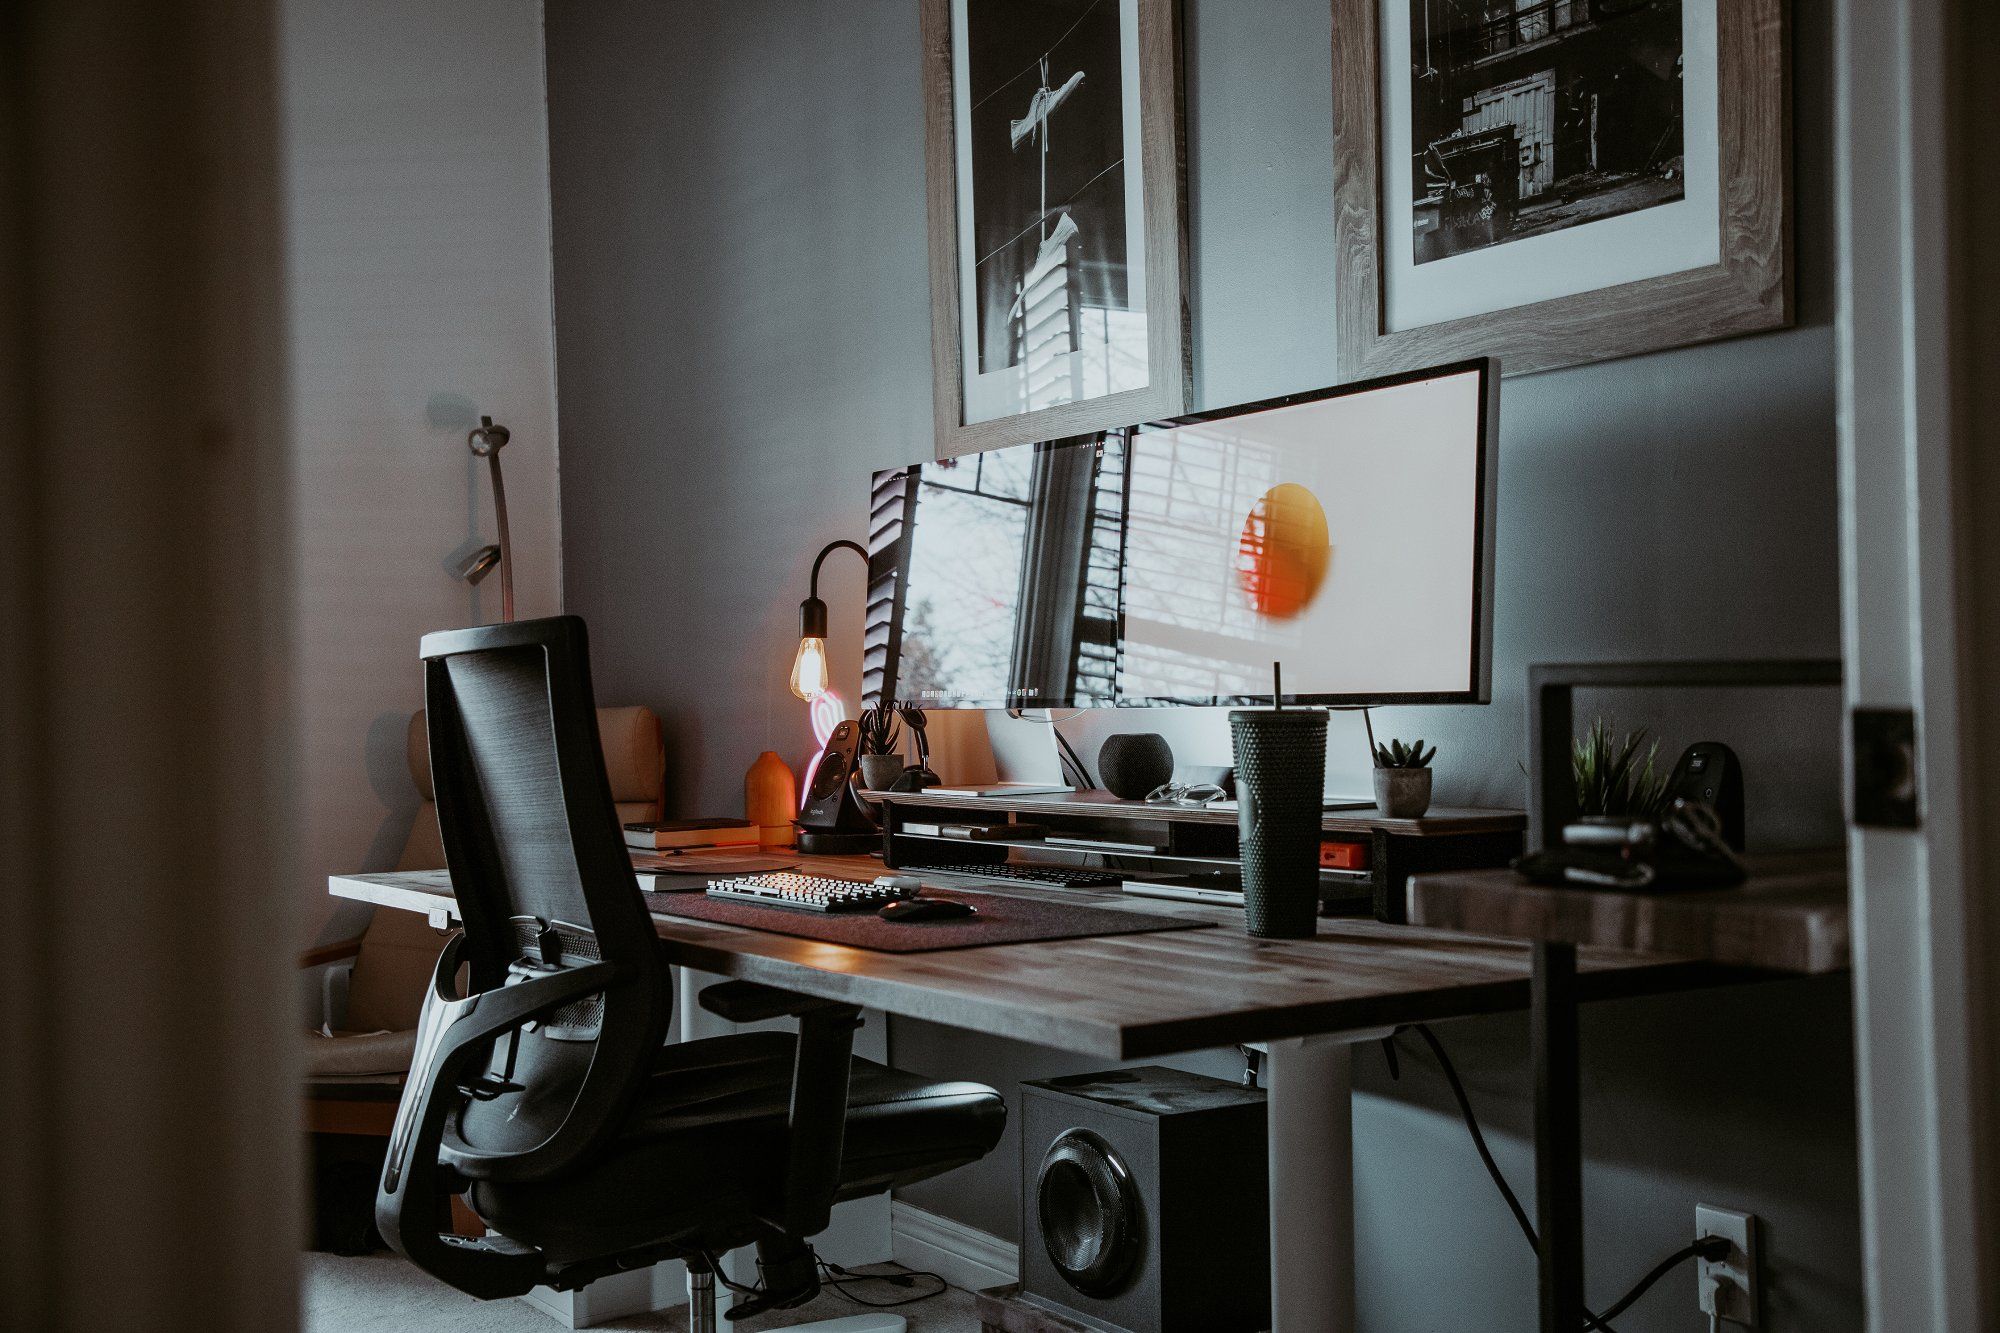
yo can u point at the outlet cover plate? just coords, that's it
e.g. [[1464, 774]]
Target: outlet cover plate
[[1739, 1306]]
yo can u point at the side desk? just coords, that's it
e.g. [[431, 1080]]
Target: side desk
[[1137, 996], [1789, 917]]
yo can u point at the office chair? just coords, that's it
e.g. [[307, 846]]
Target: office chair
[[545, 1093]]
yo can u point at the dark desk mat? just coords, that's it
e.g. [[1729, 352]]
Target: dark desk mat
[[1002, 919]]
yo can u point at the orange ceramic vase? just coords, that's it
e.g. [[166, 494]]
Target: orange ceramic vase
[[770, 800]]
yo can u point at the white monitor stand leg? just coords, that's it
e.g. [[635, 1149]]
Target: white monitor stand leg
[[1311, 1090]]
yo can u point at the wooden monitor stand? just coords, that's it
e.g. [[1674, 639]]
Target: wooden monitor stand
[[1193, 839]]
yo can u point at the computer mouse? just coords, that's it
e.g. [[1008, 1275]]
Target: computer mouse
[[927, 909]]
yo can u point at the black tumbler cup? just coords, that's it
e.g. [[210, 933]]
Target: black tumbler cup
[[1280, 770]]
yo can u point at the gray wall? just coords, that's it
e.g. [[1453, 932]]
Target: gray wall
[[743, 335], [417, 252]]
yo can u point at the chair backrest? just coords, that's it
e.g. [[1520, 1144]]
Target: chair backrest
[[399, 949], [543, 881]]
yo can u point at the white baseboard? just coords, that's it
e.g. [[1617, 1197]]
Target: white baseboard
[[964, 1256], [641, 1291]]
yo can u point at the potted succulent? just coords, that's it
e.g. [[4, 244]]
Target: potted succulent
[[1403, 779], [881, 765]]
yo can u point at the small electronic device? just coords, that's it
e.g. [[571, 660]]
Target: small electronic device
[[1226, 890], [832, 822], [1710, 773], [994, 832], [804, 893], [1026, 758], [1342, 854], [1116, 846], [1002, 789], [1052, 877], [926, 909]]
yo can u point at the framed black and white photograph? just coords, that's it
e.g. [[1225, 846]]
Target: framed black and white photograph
[[1057, 244], [1558, 181]]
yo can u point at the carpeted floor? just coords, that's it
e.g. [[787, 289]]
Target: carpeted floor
[[383, 1294]]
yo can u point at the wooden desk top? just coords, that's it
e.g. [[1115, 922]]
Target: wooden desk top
[[1131, 996], [1440, 821], [1790, 916]]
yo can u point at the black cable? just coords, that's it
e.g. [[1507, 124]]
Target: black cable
[[840, 1279], [1478, 1138], [1712, 1248], [1486, 1155], [715, 1270]]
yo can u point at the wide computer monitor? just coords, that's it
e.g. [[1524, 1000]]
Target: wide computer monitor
[[1345, 534]]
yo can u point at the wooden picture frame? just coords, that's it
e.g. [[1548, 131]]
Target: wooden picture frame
[[1169, 377], [1749, 288]]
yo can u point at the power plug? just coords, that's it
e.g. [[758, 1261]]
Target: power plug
[[1730, 1282]]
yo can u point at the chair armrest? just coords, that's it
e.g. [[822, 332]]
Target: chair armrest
[[452, 1034], [816, 1121], [754, 1002], [330, 953]]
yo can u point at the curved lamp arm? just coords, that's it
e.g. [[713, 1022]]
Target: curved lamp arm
[[809, 668], [485, 442]]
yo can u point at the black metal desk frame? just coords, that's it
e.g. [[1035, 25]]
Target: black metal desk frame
[[1552, 1008]]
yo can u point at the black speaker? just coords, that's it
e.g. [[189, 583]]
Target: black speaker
[[832, 821], [1143, 1201], [1132, 764], [1710, 772]]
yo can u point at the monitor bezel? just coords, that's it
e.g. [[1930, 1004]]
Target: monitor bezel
[[1486, 488]]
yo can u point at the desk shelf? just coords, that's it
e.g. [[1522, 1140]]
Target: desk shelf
[[1789, 916], [1193, 838]]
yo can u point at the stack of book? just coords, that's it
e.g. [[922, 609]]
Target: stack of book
[[683, 834]]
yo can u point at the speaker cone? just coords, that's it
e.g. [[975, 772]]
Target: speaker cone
[[1089, 1207]]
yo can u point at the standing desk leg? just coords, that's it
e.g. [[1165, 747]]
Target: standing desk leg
[[1558, 1136], [1311, 1108]]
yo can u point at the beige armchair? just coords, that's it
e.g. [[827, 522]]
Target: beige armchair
[[355, 1066]]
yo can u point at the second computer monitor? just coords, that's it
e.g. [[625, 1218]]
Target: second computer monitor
[[1344, 534]]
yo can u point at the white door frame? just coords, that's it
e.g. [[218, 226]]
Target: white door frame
[[1907, 613]]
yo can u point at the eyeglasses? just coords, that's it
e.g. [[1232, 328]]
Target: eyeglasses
[[1176, 793]]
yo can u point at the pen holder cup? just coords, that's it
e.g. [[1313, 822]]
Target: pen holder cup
[[1280, 773]]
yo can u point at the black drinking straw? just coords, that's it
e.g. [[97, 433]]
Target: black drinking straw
[[1277, 688]]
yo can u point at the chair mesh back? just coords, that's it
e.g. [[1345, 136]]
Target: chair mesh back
[[540, 872], [503, 709]]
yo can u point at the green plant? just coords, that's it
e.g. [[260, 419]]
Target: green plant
[[880, 733], [1398, 755], [1618, 775]]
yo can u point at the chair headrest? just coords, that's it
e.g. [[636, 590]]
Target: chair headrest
[[634, 753]]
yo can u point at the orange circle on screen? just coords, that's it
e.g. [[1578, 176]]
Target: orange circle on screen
[[1282, 557]]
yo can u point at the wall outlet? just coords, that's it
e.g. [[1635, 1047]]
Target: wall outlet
[[1738, 1270]]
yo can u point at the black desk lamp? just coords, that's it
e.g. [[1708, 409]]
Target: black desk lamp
[[832, 820], [809, 669]]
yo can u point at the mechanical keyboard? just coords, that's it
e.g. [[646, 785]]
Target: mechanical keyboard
[[806, 893], [1052, 877]]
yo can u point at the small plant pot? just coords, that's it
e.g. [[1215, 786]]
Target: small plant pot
[[1402, 793], [878, 771]]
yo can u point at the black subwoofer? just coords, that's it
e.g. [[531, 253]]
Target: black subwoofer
[[1144, 1201]]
